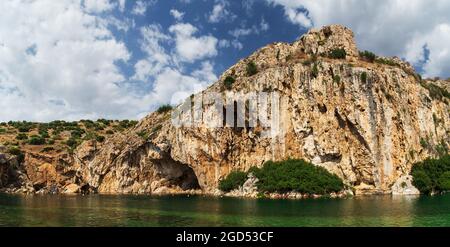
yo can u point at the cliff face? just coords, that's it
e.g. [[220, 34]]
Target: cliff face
[[367, 122]]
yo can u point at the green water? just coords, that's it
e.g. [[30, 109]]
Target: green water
[[206, 211]]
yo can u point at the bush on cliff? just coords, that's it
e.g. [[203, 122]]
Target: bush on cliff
[[338, 54], [296, 175], [228, 82], [36, 140], [18, 153], [233, 181], [432, 175], [251, 69], [368, 56], [286, 176], [164, 109]]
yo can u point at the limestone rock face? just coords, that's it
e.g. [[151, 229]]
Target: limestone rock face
[[4, 165], [322, 41], [12, 176], [404, 186], [363, 121]]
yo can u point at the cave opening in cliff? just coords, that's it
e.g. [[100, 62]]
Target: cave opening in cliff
[[188, 181], [179, 175]]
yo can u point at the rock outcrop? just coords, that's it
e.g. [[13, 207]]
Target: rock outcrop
[[366, 122]]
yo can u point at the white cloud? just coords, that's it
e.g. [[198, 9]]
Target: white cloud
[[173, 85], [223, 43], [157, 58], [245, 31], [164, 62], [190, 48], [140, 7], [60, 60], [177, 14], [122, 5], [220, 12], [98, 6], [264, 26], [386, 27], [239, 32], [57, 61]]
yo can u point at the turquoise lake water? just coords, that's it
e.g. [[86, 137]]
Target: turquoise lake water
[[102, 210]]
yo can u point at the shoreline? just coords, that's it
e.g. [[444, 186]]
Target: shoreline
[[270, 196]]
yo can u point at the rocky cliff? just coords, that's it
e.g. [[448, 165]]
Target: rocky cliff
[[365, 120]]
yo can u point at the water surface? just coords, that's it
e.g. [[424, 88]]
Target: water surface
[[102, 210]]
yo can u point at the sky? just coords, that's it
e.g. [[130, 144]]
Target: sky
[[122, 59]]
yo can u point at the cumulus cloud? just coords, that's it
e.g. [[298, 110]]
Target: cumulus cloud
[[177, 14], [122, 5], [190, 48], [220, 12], [98, 6], [164, 62], [140, 7], [60, 60], [386, 27]]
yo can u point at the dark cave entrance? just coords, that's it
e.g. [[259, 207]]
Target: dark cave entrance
[[178, 174], [188, 180]]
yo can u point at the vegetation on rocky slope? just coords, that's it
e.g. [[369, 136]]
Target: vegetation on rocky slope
[[287, 176], [432, 175], [233, 181], [56, 136]]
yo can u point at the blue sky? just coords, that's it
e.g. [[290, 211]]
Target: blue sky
[[78, 59], [243, 16]]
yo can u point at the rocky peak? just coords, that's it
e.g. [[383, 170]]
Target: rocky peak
[[328, 38]]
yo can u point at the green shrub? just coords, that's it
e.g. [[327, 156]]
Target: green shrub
[[364, 77], [47, 149], [100, 138], [432, 175], [164, 109], [336, 79], [126, 124], [36, 140], [315, 70], [296, 175], [251, 69], [2, 130], [435, 91], [423, 143], [444, 182], [77, 133], [24, 129], [368, 56], [22, 136], [233, 181], [18, 153], [339, 53], [72, 143], [422, 182], [442, 149], [228, 82], [386, 61], [109, 132]]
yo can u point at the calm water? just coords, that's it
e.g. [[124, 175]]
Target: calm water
[[206, 211]]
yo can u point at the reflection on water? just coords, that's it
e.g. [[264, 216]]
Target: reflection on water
[[99, 210]]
